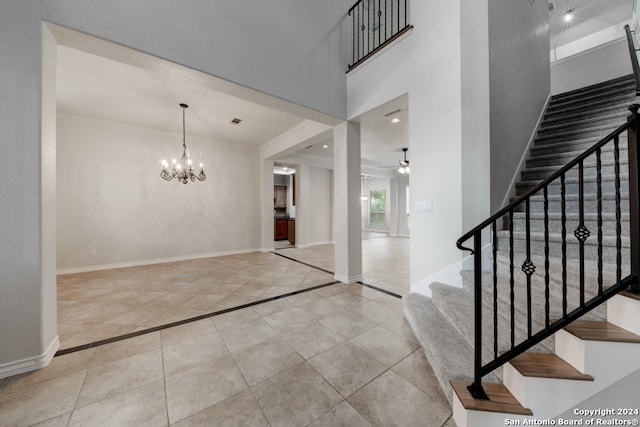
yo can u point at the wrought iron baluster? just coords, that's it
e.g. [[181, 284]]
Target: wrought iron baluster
[[546, 257], [398, 15], [369, 28], [527, 267], [379, 23], [599, 208], [634, 198], [495, 291], [581, 233], [511, 281], [563, 220], [386, 18], [616, 156], [405, 12], [476, 389]]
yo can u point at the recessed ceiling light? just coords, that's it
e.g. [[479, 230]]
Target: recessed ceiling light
[[395, 120], [325, 146], [236, 121], [568, 16]]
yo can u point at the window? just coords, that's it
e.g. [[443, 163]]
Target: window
[[378, 207]]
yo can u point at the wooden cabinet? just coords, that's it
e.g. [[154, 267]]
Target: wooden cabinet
[[281, 229], [292, 231]]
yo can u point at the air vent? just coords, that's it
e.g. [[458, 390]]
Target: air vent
[[236, 121], [393, 112]]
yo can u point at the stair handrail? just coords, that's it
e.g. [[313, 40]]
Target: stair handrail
[[634, 58], [632, 281]]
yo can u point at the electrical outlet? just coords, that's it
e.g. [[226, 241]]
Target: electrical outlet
[[92, 252]]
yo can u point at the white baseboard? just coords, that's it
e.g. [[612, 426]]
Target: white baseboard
[[345, 279], [100, 267], [31, 363]]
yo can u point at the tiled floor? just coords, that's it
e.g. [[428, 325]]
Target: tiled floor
[[339, 355]]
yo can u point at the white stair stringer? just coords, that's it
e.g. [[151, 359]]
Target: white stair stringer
[[608, 362]]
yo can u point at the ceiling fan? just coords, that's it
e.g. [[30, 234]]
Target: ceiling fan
[[404, 164]]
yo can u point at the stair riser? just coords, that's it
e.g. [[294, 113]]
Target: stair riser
[[572, 249], [621, 111], [563, 159], [624, 83], [619, 97], [597, 133], [589, 187], [588, 170], [572, 206], [576, 146], [563, 126], [555, 226]]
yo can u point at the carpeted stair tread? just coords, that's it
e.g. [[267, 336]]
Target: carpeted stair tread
[[626, 81], [448, 353]]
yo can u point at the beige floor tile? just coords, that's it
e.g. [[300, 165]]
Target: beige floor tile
[[401, 327], [139, 315], [35, 403], [241, 410], [377, 311], [203, 301], [312, 339], [195, 351], [342, 415], [384, 345], [349, 299], [125, 348], [143, 406], [237, 318], [416, 369], [262, 361], [287, 320], [109, 379], [390, 400], [347, 368], [348, 324], [295, 397], [272, 307], [59, 421], [187, 331], [100, 332], [59, 367], [321, 308], [247, 334], [192, 390]]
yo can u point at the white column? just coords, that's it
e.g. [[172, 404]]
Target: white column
[[348, 237], [303, 203], [266, 205], [393, 207]]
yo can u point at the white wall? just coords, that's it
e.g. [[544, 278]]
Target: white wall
[[426, 66], [111, 198], [321, 206], [520, 84], [594, 66], [286, 48]]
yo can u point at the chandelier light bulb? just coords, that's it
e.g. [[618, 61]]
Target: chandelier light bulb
[[173, 161], [568, 16], [201, 165], [165, 164]]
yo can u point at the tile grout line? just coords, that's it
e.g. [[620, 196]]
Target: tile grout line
[[185, 321], [384, 291]]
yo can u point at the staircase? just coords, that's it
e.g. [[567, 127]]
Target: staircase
[[575, 364]]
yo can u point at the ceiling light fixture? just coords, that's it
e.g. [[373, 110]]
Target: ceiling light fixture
[[568, 16], [183, 171], [325, 146], [395, 120], [404, 164]]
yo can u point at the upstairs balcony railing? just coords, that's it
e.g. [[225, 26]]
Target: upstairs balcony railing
[[374, 24]]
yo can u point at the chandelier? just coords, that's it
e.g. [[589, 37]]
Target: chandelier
[[183, 171]]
